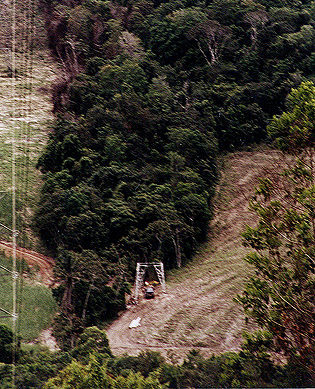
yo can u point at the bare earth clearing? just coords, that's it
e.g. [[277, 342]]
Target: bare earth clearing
[[198, 311], [39, 263]]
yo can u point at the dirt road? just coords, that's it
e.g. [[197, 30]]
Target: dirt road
[[198, 311], [41, 264]]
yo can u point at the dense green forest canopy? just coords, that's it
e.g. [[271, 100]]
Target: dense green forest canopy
[[151, 92], [280, 297], [90, 365]]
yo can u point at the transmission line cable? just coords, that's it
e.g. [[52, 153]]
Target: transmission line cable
[[20, 121], [13, 127], [25, 115], [23, 165]]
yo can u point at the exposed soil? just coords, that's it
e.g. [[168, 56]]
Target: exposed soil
[[46, 339], [198, 311], [40, 264]]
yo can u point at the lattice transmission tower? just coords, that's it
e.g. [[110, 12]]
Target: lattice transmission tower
[[140, 275]]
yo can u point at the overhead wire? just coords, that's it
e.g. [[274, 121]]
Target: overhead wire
[[25, 116], [13, 135], [21, 114], [22, 152]]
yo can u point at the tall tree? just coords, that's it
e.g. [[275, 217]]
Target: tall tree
[[281, 295], [211, 38]]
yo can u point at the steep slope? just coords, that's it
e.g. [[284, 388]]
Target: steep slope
[[32, 109], [198, 310]]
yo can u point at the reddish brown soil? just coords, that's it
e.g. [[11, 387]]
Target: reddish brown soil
[[41, 264]]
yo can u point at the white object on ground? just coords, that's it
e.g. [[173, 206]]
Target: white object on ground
[[135, 323]]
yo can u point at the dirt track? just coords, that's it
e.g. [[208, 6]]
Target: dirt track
[[198, 310], [40, 263]]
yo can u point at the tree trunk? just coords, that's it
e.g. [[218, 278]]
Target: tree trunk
[[203, 53], [176, 243], [87, 298], [72, 59], [160, 244], [66, 302]]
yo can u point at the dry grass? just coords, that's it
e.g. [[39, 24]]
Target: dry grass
[[25, 115]]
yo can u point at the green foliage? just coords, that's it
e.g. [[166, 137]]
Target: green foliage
[[279, 297], [91, 366], [84, 297], [145, 363], [7, 344], [201, 42], [251, 367], [94, 375], [93, 340], [37, 306], [294, 129], [154, 89], [36, 366]]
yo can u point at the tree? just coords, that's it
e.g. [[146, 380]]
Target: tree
[[7, 347], [92, 340], [294, 130], [211, 35], [95, 376], [281, 295], [34, 368], [229, 12], [255, 19]]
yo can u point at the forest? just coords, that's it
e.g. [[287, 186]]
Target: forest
[[151, 93]]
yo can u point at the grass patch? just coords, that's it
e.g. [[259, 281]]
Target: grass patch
[[25, 116], [36, 306]]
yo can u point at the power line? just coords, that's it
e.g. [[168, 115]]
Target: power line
[[14, 279]]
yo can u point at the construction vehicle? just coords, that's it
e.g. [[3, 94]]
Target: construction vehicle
[[149, 292]]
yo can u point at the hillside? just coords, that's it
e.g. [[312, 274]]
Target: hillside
[[30, 116], [151, 94], [33, 115], [198, 310]]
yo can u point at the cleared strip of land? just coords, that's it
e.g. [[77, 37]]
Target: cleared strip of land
[[25, 117], [198, 311]]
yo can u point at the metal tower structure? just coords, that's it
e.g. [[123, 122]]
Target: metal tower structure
[[140, 274]]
